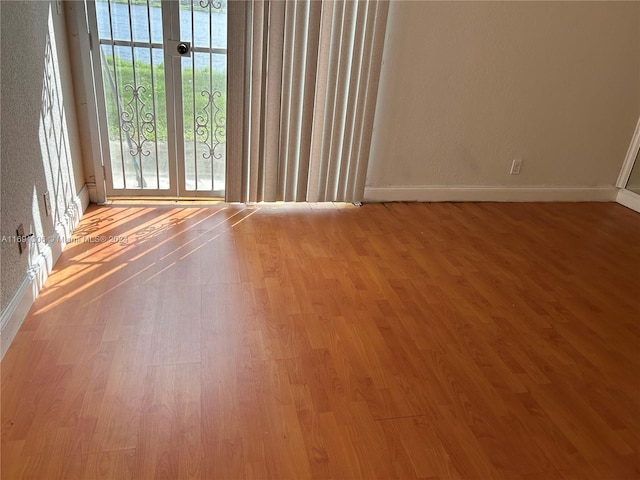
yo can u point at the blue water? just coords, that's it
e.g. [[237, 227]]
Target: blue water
[[209, 31]]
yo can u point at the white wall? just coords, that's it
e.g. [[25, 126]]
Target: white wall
[[466, 87], [39, 148]]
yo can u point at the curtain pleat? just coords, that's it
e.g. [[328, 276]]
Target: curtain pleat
[[254, 114], [310, 86]]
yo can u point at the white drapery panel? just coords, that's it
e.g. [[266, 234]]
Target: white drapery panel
[[307, 81]]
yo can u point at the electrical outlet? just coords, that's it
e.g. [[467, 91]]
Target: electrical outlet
[[516, 165], [47, 204], [22, 240]]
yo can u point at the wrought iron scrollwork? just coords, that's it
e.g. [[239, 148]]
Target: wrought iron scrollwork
[[211, 3], [136, 123], [211, 125]]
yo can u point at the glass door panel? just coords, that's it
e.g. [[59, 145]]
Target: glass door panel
[[166, 129], [204, 95]]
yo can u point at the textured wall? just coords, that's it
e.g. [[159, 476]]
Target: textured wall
[[39, 144], [466, 87]]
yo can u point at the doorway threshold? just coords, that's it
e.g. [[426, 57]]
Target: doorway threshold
[[164, 201]]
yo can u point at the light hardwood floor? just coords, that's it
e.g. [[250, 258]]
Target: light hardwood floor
[[389, 341]]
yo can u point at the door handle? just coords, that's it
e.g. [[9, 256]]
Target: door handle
[[183, 48], [178, 48]]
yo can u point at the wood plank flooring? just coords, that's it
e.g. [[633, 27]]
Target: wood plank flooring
[[426, 341]]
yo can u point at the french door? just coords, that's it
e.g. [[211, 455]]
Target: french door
[[161, 68]]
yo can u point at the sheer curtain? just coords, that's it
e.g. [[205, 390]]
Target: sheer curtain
[[303, 80]]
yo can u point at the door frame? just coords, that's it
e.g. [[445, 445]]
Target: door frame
[[627, 197], [630, 158], [173, 88], [97, 150]]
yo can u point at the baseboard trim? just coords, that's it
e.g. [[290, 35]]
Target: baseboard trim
[[16, 311], [490, 194], [92, 190], [629, 199]]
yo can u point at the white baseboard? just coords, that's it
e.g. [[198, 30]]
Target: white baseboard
[[629, 199], [16, 310], [489, 194], [92, 191]]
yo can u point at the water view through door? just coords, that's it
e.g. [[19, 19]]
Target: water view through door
[[163, 67]]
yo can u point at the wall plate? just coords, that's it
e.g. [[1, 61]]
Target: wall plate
[[22, 245]]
